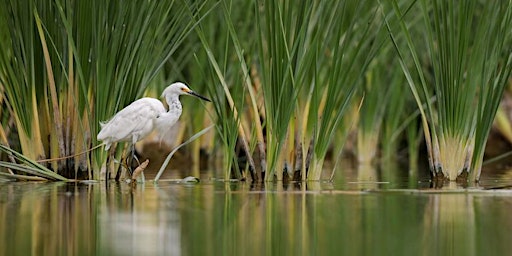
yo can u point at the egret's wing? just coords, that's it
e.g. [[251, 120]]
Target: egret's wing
[[131, 120]]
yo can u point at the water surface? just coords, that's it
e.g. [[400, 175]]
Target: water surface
[[219, 218]]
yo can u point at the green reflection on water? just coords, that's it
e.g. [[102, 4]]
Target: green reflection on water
[[238, 219]]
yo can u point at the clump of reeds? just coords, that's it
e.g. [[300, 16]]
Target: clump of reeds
[[300, 65], [66, 66], [458, 85], [290, 80]]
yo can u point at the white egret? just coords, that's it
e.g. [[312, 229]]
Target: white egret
[[136, 121]]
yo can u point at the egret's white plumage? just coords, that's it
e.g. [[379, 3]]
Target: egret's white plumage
[[140, 118], [132, 123]]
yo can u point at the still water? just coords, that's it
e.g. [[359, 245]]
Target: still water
[[219, 218]]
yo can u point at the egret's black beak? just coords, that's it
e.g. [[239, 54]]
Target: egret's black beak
[[199, 96]]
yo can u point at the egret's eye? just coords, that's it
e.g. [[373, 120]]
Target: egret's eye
[[184, 90]]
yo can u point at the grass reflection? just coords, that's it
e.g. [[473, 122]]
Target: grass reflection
[[240, 219], [48, 219]]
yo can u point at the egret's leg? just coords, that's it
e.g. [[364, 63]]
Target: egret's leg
[[132, 156], [129, 159], [135, 156], [134, 140]]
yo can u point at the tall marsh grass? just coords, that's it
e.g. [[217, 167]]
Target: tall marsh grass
[[298, 77], [291, 81], [67, 65], [467, 66]]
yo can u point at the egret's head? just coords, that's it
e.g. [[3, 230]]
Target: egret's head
[[179, 88]]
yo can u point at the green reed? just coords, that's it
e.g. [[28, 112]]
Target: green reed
[[336, 81], [299, 65], [67, 65], [225, 86], [467, 77], [382, 109], [289, 80]]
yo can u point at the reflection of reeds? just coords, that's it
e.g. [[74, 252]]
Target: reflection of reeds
[[449, 223], [49, 218]]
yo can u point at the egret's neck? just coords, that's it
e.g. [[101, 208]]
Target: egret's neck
[[174, 103]]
